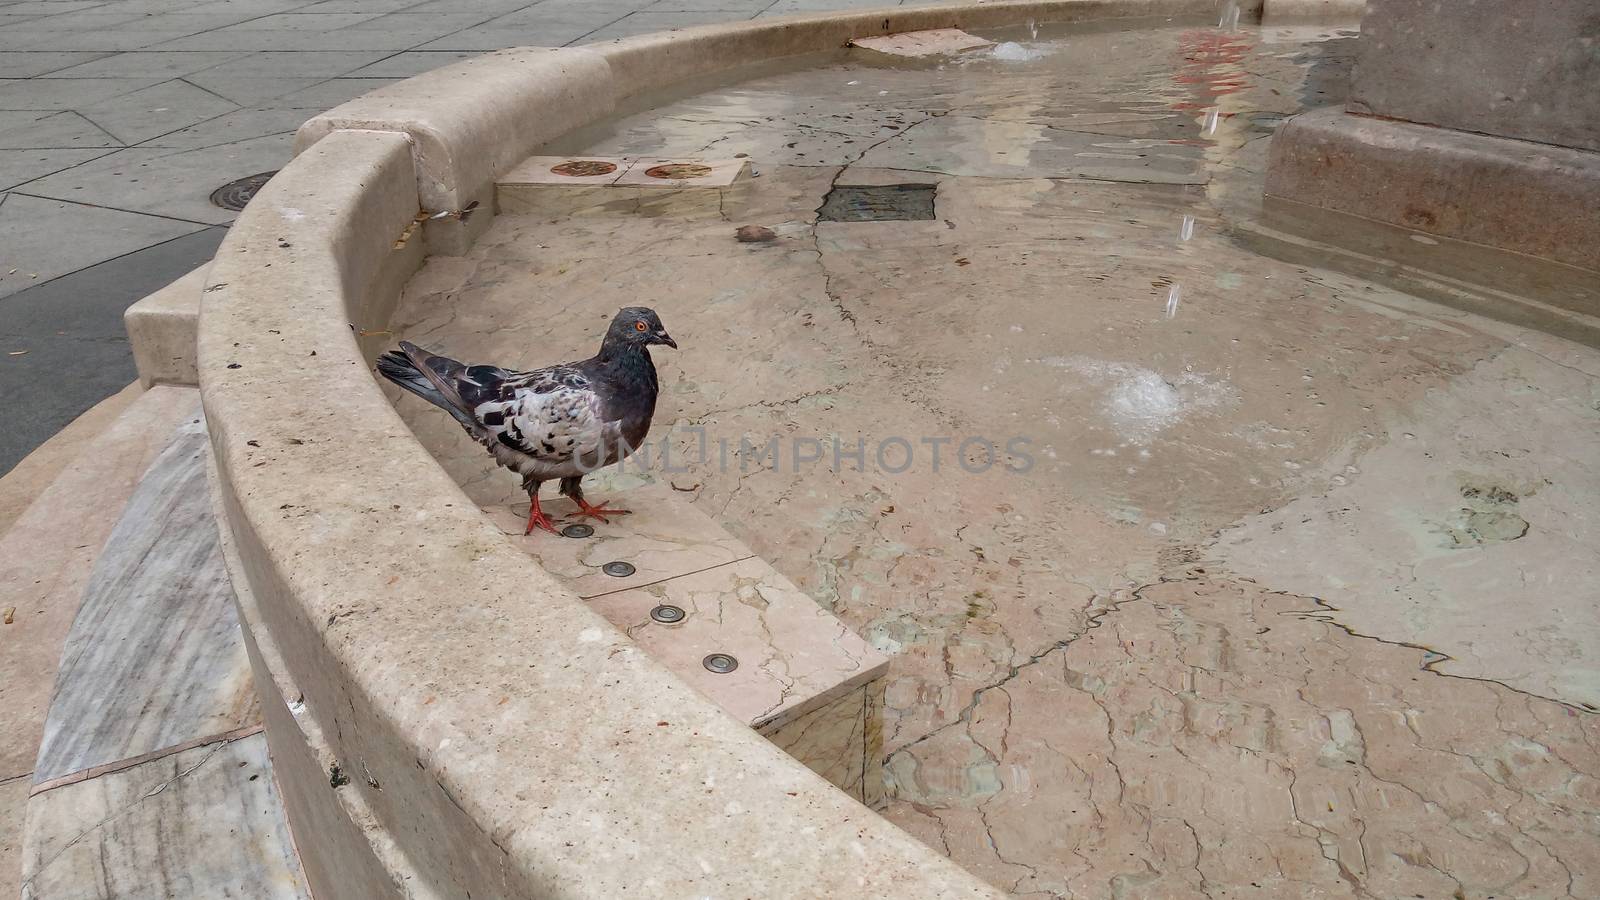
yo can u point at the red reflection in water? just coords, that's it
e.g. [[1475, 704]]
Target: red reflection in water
[[1210, 69]]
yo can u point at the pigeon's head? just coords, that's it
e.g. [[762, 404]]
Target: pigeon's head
[[639, 326]]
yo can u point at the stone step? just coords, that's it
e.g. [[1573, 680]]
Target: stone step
[[152, 777], [46, 556], [162, 329], [699, 601]]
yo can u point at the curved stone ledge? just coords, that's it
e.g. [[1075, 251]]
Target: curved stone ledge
[[500, 738]]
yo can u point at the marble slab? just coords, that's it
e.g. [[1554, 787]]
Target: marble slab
[[662, 537], [48, 554], [670, 173], [933, 42], [154, 657], [794, 656], [842, 741], [569, 171], [204, 822], [803, 678]]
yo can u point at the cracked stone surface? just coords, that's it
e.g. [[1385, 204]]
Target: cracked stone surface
[[1270, 581], [170, 827]]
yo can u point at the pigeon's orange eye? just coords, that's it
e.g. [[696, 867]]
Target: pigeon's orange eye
[[641, 326]]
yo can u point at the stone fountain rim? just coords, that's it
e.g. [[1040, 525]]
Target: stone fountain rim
[[400, 614]]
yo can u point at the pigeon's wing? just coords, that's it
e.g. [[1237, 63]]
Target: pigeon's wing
[[553, 415]]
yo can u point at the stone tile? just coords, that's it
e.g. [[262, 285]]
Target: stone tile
[[304, 21], [24, 482], [154, 658], [364, 6], [211, 815], [645, 22], [301, 64], [30, 129], [21, 166], [102, 17], [28, 63], [97, 234], [157, 110], [934, 42], [253, 7], [77, 346], [492, 7], [794, 656], [13, 807], [148, 64], [496, 37], [440, 23], [46, 556], [842, 741], [662, 538], [404, 65], [330, 93], [299, 41], [241, 125], [66, 93], [50, 7], [717, 173], [541, 170], [117, 41], [733, 9], [250, 90], [161, 182]]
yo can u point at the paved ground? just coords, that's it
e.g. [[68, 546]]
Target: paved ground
[[119, 117]]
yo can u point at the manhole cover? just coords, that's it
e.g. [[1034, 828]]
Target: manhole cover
[[235, 194], [878, 203], [678, 171], [584, 168]]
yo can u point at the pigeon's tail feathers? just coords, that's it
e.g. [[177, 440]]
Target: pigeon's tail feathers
[[400, 366]]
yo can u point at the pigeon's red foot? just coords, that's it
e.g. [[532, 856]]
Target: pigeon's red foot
[[537, 518], [599, 512]]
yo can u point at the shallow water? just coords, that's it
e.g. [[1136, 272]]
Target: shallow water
[[1251, 607]]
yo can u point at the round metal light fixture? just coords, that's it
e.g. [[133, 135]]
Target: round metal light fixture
[[667, 614], [618, 569], [577, 530], [720, 663], [584, 168]]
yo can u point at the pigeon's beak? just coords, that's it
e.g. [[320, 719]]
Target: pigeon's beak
[[663, 338]]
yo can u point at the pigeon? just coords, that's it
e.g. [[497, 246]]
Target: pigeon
[[559, 422]]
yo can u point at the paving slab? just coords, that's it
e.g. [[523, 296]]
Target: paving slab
[[205, 822], [148, 64], [162, 182], [61, 375], [62, 130], [21, 166], [66, 93], [39, 255], [155, 111], [20, 486], [154, 658], [47, 554], [28, 63]]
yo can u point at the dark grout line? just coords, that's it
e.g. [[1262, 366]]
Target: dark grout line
[[109, 151], [119, 209], [103, 261], [185, 79]]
